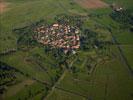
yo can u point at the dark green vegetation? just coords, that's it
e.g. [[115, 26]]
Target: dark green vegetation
[[102, 68]]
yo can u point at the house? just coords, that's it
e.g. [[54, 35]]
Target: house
[[119, 9], [116, 7], [55, 25]]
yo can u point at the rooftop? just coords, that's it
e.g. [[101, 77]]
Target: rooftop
[[59, 36]]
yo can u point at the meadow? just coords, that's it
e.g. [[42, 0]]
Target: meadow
[[94, 74]]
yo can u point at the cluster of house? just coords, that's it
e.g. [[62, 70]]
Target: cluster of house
[[59, 36], [116, 7]]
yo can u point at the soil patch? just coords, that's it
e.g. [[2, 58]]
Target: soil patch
[[3, 6], [92, 3]]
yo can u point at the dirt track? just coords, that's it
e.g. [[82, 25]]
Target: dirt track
[[92, 3]]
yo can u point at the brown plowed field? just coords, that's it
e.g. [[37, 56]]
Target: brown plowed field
[[3, 6], [92, 3]]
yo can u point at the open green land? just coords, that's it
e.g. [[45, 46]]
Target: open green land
[[101, 69], [127, 49]]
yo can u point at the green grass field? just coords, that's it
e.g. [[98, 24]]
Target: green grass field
[[127, 49], [111, 81], [108, 79]]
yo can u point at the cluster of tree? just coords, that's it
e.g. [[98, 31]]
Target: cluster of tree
[[75, 21], [8, 51], [57, 54], [27, 33], [88, 39], [124, 17], [7, 76]]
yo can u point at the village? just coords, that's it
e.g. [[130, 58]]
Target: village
[[66, 50], [61, 36]]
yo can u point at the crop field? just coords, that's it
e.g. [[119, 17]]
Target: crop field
[[103, 83], [92, 3], [122, 38], [3, 7], [101, 69], [127, 49]]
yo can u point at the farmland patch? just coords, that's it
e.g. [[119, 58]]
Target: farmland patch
[[91, 3], [3, 6]]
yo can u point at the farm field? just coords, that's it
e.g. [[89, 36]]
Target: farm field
[[92, 4], [3, 7], [127, 49], [103, 83], [93, 59]]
